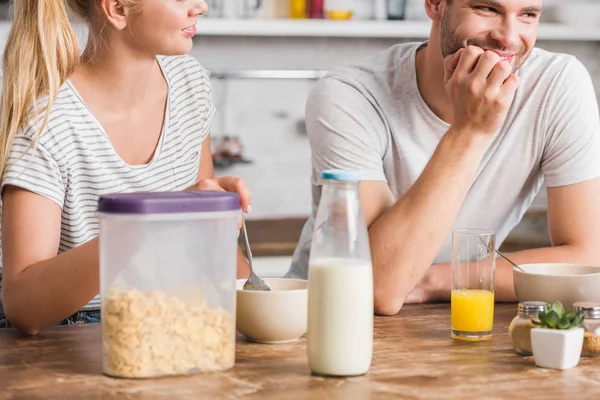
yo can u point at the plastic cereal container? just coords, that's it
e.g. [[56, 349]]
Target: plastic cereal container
[[167, 277]]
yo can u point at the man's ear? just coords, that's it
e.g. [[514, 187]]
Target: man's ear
[[435, 9]]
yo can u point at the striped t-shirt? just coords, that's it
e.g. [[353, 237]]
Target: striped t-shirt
[[74, 162]]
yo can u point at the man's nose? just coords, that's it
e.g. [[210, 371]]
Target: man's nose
[[506, 33]]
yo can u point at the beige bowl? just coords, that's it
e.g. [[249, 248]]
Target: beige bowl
[[278, 316], [567, 283]]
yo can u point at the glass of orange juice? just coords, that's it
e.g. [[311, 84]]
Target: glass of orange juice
[[472, 298]]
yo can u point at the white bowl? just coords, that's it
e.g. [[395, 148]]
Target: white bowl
[[276, 316], [567, 283]]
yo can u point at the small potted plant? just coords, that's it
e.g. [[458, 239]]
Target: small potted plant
[[558, 339]]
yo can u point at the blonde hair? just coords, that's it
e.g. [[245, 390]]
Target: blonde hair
[[41, 53]]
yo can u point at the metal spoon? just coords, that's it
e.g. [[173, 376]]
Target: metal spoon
[[507, 259], [253, 282], [503, 256]]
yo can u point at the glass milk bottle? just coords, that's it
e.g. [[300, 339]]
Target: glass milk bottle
[[340, 279]]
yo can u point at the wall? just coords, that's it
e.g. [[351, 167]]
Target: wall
[[268, 115]]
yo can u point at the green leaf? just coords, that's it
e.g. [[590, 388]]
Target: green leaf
[[558, 308], [552, 319], [577, 321], [556, 317], [564, 323], [544, 319], [571, 315]]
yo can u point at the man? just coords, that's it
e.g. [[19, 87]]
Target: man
[[460, 132]]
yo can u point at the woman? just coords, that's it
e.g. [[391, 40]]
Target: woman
[[118, 118]]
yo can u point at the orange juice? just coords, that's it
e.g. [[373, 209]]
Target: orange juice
[[472, 310]]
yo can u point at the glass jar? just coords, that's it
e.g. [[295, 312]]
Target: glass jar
[[591, 326], [315, 9], [396, 9], [519, 330], [298, 9]]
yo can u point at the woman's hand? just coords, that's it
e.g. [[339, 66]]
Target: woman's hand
[[228, 184], [234, 185]]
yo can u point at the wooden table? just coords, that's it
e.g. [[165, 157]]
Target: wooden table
[[414, 358]]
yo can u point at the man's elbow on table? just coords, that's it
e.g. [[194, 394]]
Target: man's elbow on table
[[386, 304], [388, 298]]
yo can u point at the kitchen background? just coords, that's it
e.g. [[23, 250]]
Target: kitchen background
[[264, 57]]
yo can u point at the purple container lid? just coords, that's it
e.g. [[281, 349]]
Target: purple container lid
[[168, 202]]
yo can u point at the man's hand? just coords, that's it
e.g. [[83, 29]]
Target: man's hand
[[434, 287], [419, 295], [481, 86]]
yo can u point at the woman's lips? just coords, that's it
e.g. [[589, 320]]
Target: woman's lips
[[190, 30]]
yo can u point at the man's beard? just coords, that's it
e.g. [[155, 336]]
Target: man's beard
[[451, 43]]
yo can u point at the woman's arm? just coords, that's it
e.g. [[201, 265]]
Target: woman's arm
[[39, 287]]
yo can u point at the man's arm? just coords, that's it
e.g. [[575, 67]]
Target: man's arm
[[406, 238], [345, 130], [573, 214], [570, 165]]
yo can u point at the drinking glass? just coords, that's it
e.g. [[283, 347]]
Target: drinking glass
[[472, 298]]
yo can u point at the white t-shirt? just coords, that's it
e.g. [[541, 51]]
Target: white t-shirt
[[371, 117], [74, 161]]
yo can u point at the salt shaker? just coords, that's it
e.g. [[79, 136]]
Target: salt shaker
[[519, 330], [591, 326]]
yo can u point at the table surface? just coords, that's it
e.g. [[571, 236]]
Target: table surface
[[414, 358]]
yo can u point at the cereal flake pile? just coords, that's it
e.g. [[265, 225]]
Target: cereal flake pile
[[148, 334]]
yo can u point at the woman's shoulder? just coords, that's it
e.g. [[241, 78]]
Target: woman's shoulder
[[190, 89], [184, 71], [190, 93], [52, 117]]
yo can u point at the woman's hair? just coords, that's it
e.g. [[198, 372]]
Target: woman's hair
[[41, 53]]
